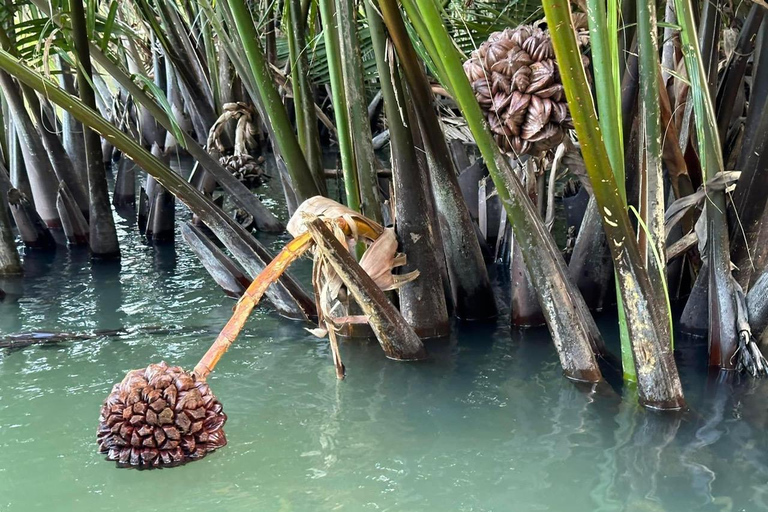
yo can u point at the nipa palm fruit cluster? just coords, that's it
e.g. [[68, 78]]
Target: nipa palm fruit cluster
[[246, 168], [160, 416], [517, 83]]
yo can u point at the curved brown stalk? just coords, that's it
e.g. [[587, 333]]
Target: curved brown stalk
[[290, 253]]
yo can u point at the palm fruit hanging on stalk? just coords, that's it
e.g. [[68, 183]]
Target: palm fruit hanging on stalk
[[160, 416], [517, 83], [241, 164], [163, 416]]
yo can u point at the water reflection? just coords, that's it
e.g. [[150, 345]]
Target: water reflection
[[487, 423], [108, 299]]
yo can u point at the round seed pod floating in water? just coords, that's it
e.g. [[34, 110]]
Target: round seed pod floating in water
[[517, 84], [163, 416], [160, 416]]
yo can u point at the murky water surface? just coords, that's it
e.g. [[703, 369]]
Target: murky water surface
[[488, 423]]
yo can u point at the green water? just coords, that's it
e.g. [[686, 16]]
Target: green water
[[487, 424]]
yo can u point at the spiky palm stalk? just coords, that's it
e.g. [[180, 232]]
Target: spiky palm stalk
[[517, 84]]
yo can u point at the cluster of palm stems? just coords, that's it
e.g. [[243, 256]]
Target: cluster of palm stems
[[441, 115]]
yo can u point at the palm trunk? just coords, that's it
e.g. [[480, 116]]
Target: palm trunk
[[60, 161], [42, 180], [161, 213], [340, 107], [103, 237], [652, 239], [422, 302], [32, 229], [72, 131], [10, 263], [304, 102], [472, 291], [591, 265], [72, 220], [124, 196]]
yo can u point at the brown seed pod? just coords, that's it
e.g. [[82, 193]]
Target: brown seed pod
[[160, 416], [517, 83]]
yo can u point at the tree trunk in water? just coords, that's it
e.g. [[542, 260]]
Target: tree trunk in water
[[72, 130], [422, 302], [469, 277], [60, 161], [10, 263], [103, 237], [161, 215], [42, 180], [591, 265], [158, 65], [72, 220], [177, 108], [124, 195], [431, 213], [17, 168], [32, 229], [525, 310], [352, 70]]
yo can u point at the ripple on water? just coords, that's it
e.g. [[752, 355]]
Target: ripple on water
[[487, 424]]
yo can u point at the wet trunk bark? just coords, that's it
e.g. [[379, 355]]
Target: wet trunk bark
[[431, 213], [42, 180], [525, 310], [472, 292], [72, 130], [60, 161], [591, 265], [422, 302], [396, 337], [124, 195], [72, 220], [103, 238], [161, 214], [32, 229], [17, 167], [10, 263]]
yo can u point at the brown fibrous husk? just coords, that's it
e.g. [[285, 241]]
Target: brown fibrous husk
[[160, 416], [517, 83]]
